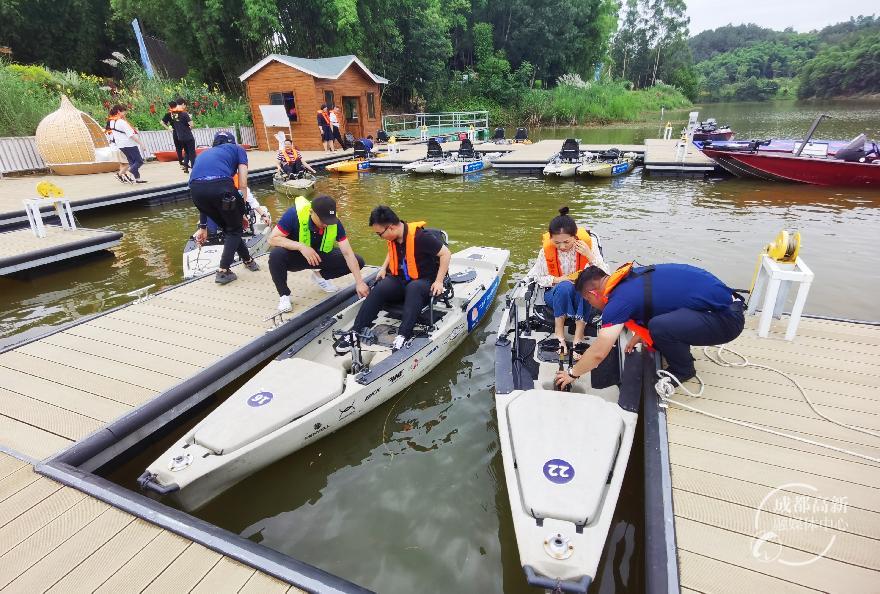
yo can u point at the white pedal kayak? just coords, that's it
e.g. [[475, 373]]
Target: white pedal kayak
[[311, 390], [205, 259], [458, 166], [564, 453]]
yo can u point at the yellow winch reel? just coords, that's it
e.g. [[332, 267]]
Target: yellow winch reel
[[47, 189], [784, 248]]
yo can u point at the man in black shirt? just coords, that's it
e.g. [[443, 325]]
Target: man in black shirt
[[183, 124], [417, 262], [167, 121]]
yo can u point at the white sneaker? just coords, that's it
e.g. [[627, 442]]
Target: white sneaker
[[284, 303], [398, 343], [322, 282]]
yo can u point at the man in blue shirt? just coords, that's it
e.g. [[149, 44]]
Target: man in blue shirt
[[215, 194], [311, 236], [670, 306]]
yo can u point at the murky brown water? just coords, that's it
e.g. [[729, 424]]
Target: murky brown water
[[411, 497]]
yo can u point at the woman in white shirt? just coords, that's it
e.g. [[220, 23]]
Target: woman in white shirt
[[566, 251], [125, 137], [335, 114]]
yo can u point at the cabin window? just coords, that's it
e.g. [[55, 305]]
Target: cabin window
[[371, 106], [350, 107], [288, 100], [328, 99]]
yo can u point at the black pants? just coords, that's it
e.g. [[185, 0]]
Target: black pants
[[189, 152], [283, 260], [135, 160], [220, 201], [415, 295], [675, 332], [293, 168], [178, 148], [338, 137]]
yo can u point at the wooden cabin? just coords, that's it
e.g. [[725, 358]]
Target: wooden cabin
[[301, 85]]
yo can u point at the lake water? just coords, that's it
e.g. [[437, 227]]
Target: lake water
[[411, 498]]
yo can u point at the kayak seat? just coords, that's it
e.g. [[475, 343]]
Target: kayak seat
[[521, 134], [466, 149], [571, 149], [395, 310], [360, 150], [565, 446], [435, 151], [268, 401], [499, 134]]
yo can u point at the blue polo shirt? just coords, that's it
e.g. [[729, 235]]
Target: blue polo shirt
[[289, 223], [219, 161], [673, 286]]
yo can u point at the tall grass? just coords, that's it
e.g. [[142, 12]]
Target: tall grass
[[23, 104]]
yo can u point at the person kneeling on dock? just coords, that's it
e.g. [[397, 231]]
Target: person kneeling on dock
[[566, 251], [216, 196], [669, 307], [290, 161], [320, 245], [417, 261]]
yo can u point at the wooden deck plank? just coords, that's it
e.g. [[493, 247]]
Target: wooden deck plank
[[227, 576], [858, 521], [202, 325], [260, 583], [824, 574], [148, 563], [78, 379], [185, 571], [108, 559], [858, 364], [24, 499], [808, 537], [28, 439], [832, 349], [143, 344], [32, 566], [9, 464], [705, 574], [176, 335], [35, 517], [48, 417], [16, 481], [59, 395]]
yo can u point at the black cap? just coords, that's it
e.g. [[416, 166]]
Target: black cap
[[223, 137], [325, 207]]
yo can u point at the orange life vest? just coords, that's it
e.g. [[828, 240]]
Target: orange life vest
[[616, 277], [109, 129], [235, 180], [324, 115], [551, 255], [290, 160], [412, 268]]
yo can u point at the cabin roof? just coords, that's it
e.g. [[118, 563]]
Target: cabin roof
[[330, 68]]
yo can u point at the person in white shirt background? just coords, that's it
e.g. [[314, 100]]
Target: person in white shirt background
[[125, 137]]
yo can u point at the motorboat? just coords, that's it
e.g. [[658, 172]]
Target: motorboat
[[312, 388], [711, 130], [465, 160], [610, 163], [297, 184], [434, 156], [359, 163], [564, 453], [855, 165], [565, 163], [199, 260]]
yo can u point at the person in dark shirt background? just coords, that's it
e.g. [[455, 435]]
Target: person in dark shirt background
[[167, 121], [183, 124]]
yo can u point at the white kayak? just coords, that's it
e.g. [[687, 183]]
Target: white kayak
[[311, 390], [205, 259], [564, 453], [433, 156], [301, 185], [562, 167], [463, 166]]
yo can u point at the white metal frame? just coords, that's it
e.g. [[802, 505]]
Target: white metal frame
[[35, 216], [774, 279], [435, 123]]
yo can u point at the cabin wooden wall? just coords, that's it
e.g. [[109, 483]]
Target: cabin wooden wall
[[309, 92]]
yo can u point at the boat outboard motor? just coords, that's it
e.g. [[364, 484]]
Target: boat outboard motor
[[854, 151], [382, 136], [521, 134]]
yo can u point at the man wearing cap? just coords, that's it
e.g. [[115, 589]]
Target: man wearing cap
[[310, 236], [215, 195]]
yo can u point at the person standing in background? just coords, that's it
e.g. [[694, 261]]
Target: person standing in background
[[325, 127], [335, 116], [125, 137], [167, 121], [183, 125]]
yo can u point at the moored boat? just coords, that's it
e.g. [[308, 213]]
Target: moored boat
[[312, 389], [566, 162], [300, 184], [710, 130], [359, 163], [434, 156], [564, 453], [610, 163], [465, 160]]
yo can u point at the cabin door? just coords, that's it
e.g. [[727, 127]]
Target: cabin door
[[351, 109]]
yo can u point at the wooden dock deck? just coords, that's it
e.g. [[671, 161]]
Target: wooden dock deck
[[22, 250], [755, 511], [166, 180], [663, 157], [56, 539]]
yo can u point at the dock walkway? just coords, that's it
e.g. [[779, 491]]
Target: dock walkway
[[663, 157], [760, 512], [56, 539], [534, 157], [21, 249]]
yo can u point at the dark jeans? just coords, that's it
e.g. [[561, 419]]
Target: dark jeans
[[220, 201], [393, 289], [293, 168], [178, 148], [338, 137], [675, 332], [135, 160], [283, 260], [189, 152]]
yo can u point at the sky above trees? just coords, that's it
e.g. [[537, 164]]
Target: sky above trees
[[801, 15]]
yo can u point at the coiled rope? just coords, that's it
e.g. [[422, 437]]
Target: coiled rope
[[668, 383]]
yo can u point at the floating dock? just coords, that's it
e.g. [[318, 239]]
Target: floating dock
[[761, 512], [414, 152], [22, 250], [671, 157], [110, 368]]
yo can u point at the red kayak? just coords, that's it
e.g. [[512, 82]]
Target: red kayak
[[820, 171]]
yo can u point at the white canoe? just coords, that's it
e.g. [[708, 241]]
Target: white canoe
[[564, 453], [270, 416], [205, 259]]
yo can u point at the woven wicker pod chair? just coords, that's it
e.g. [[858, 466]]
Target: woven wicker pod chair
[[67, 139]]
